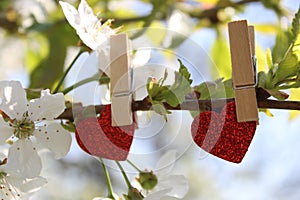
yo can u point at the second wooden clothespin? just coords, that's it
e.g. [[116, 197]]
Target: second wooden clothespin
[[120, 81], [244, 77]]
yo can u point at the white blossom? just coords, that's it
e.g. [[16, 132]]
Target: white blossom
[[169, 186], [13, 185], [115, 197], [88, 27], [141, 57], [29, 125], [91, 31], [18, 188]]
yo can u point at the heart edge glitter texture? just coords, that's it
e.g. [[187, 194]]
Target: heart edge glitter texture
[[234, 137], [97, 137]]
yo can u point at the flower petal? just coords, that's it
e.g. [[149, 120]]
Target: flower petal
[[141, 57], [23, 159], [166, 163], [54, 138], [87, 39], [179, 184], [13, 99], [89, 25], [71, 14], [104, 61], [116, 197], [87, 15], [5, 131], [33, 184], [16, 182], [47, 107], [157, 195], [102, 41]]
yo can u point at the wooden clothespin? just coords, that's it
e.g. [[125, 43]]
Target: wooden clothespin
[[120, 81], [244, 76]]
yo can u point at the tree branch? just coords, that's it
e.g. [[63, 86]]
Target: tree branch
[[210, 13], [194, 105], [273, 104]]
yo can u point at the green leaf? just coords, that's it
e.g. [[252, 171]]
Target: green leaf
[[286, 68], [50, 69], [181, 86], [206, 90], [171, 98], [183, 73], [296, 24], [220, 54], [278, 94], [283, 42], [225, 86], [268, 83], [153, 88], [159, 108], [262, 80], [172, 94], [296, 83], [214, 90], [162, 80], [288, 65], [269, 58]]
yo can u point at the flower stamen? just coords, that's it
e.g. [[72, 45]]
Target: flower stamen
[[23, 128], [7, 191]]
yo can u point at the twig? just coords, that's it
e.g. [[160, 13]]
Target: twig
[[273, 104], [210, 14], [194, 105]]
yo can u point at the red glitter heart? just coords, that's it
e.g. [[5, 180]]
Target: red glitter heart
[[221, 134], [97, 137]]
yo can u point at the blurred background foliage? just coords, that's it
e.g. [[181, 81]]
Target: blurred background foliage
[[43, 28], [35, 36]]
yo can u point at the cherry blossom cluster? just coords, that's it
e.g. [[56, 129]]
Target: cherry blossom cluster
[[28, 126]]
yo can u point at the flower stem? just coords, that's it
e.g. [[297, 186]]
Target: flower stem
[[66, 72], [107, 178], [124, 175], [84, 81], [134, 166]]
